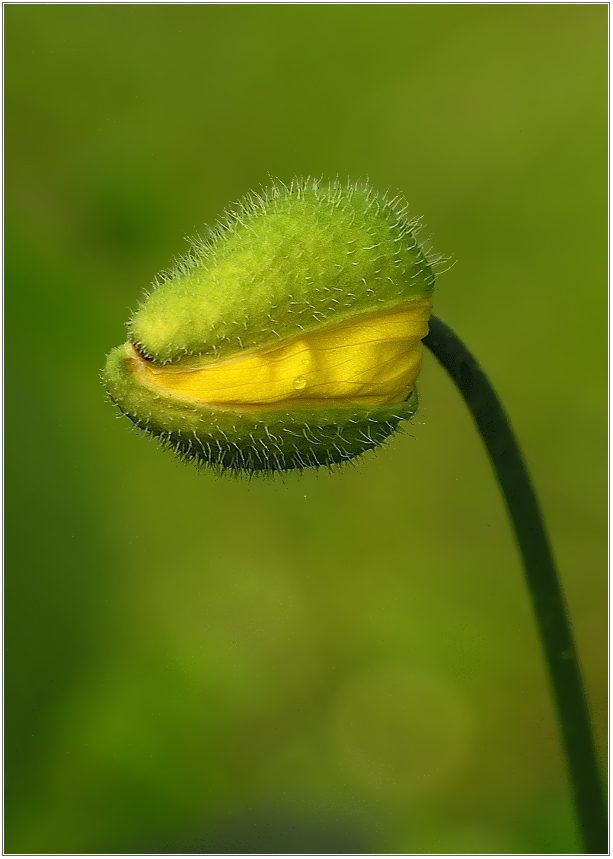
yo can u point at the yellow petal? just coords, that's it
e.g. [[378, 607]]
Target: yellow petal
[[369, 361]]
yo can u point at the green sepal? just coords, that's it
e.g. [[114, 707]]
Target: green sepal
[[284, 264], [251, 440]]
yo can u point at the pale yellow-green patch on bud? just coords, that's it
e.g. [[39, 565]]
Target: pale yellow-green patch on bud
[[291, 338]]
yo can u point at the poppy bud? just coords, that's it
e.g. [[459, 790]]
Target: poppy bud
[[290, 338]]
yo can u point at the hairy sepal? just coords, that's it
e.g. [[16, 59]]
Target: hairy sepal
[[250, 441]]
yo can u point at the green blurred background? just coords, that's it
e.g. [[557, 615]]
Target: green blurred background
[[328, 663]]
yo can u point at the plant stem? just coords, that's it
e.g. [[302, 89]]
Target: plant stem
[[543, 584]]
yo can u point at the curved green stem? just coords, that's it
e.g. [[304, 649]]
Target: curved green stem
[[541, 577]]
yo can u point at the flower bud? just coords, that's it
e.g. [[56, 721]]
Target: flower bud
[[290, 338]]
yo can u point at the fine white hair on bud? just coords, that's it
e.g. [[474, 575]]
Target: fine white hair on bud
[[290, 338]]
